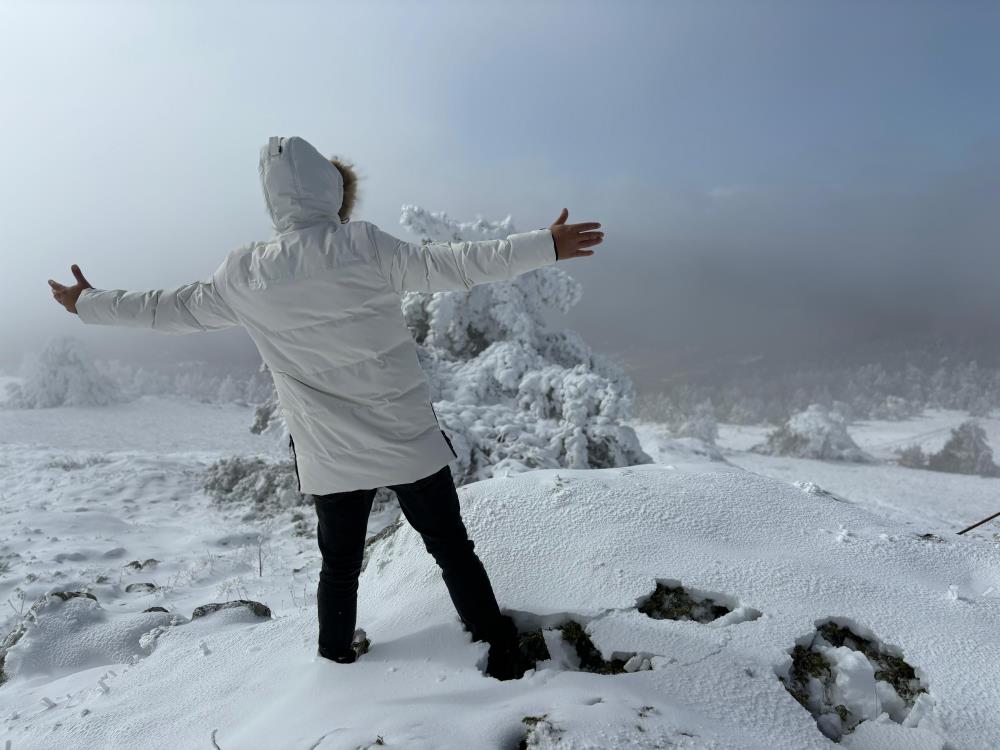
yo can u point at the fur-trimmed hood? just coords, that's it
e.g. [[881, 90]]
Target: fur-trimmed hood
[[301, 187]]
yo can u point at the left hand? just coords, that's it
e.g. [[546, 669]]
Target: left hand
[[68, 295]]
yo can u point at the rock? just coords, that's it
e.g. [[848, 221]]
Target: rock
[[64, 595], [136, 565], [140, 587], [258, 609], [156, 609]]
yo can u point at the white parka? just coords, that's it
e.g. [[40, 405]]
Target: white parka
[[321, 300]]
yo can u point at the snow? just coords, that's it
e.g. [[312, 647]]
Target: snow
[[86, 490], [926, 500]]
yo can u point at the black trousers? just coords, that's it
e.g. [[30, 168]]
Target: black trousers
[[430, 505]]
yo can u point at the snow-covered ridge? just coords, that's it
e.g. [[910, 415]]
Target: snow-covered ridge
[[590, 546]]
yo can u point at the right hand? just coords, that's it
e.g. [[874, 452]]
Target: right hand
[[68, 295], [573, 239]]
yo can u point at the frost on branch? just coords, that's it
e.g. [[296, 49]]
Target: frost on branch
[[512, 395], [814, 433], [62, 375]]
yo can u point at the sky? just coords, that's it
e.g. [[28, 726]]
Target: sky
[[775, 179]]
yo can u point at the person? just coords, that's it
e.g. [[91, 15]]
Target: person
[[321, 301]]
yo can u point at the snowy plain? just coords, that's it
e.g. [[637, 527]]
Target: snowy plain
[[84, 492]]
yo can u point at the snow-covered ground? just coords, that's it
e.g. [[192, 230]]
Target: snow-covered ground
[[83, 492], [932, 501]]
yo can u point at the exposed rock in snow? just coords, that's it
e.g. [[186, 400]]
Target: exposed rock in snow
[[255, 608], [814, 433]]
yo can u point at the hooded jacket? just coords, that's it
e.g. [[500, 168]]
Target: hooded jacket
[[321, 301]]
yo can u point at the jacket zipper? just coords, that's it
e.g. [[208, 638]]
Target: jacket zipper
[[446, 438], [295, 461]]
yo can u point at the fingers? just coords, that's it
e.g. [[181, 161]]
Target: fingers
[[562, 217], [584, 227], [56, 286], [79, 275]]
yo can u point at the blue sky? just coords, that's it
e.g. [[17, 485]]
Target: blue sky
[[762, 169]]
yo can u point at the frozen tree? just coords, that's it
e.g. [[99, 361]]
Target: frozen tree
[[229, 391], [62, 375], [134, 381], [511, 395], [814, 433], [966, 452], [894, 408], [701, 424]]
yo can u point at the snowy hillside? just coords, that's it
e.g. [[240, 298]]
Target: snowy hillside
[[757, 571]]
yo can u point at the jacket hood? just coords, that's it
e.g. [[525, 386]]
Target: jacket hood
[[301, 187]]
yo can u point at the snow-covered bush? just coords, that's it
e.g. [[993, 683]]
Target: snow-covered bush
[[814, 433], [510, 394], [62, 375], [966, 452], [912, 457], [268, 486]]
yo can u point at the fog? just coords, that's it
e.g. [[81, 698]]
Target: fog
[[776, 179]]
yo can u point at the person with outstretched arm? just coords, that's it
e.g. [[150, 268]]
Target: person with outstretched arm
[[321, 301]]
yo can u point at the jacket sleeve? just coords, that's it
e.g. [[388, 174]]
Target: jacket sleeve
[[450, 266], [189, 308]]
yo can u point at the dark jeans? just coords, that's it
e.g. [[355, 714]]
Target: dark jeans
[[431, 507]]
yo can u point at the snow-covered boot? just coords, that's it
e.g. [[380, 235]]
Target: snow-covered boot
[[359, 646]]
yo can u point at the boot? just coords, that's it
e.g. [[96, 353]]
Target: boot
[[505, 660], [359, 646]]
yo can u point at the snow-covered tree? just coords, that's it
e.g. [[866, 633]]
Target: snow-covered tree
[[511, 394], [62, 375], [966, 452], [229, 391], [894, 408], [814, 433], [701, 424]]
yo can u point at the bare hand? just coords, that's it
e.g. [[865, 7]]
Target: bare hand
[[573, 239], [68, 295]]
